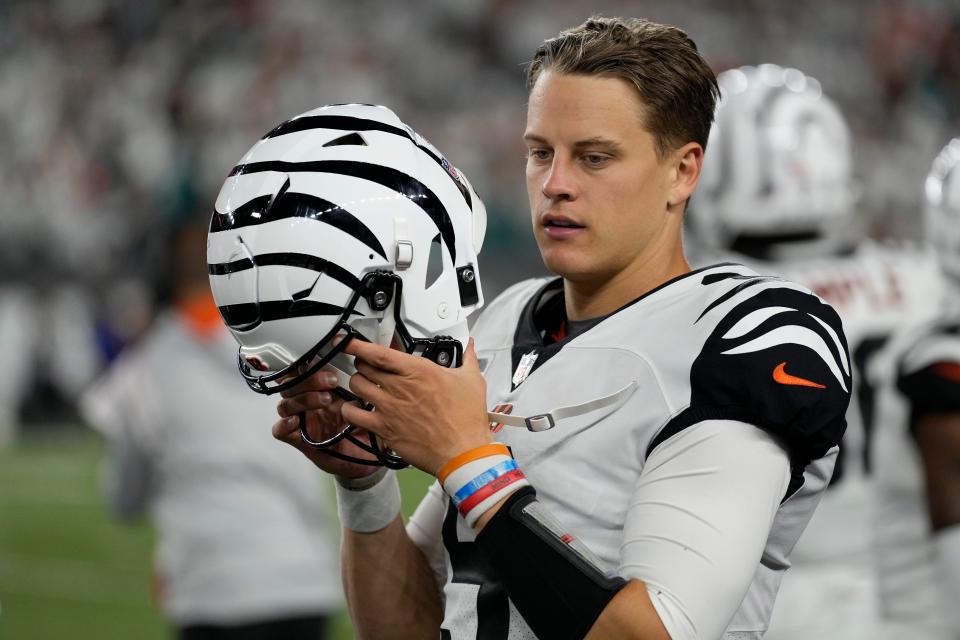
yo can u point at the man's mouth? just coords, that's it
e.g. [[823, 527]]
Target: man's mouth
[[551, 221]]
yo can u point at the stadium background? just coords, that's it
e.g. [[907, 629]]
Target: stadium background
[[120, 120]]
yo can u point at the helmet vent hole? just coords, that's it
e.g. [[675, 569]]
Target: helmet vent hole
[[300, 295], [351, 139], [434, 262]]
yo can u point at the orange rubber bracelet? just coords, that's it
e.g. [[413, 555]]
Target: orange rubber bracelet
[[492, 449]]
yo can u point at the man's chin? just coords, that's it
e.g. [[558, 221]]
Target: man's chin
[[569, 267]]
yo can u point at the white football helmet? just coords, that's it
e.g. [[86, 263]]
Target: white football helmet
[[343, 221], [778, 164], [941, 215]]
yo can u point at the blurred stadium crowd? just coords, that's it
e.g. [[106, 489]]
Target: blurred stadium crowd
[[121, 119]]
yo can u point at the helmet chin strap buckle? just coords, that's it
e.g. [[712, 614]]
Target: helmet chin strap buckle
[[444, 351], [404, 256]]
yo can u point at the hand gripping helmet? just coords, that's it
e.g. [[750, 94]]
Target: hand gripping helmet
[[941, 219], [778, 164], [343, 221]]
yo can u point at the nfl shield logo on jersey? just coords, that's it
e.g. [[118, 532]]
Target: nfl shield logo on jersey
[[524, 367]]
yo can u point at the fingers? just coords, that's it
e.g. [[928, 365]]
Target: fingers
[[287, 430], [370, 372], [308, 401], [366, 389], [358, 417], [470, 356], [322, 380], [319, 426], [378, 356]]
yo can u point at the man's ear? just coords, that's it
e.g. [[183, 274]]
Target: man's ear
[[687, 161]]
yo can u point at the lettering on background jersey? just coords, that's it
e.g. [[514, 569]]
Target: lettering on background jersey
[[841, 291]]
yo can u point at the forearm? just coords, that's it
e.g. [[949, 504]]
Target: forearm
[[389, 586], [629, 616]]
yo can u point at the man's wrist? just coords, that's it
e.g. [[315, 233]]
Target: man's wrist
[[488, 515], [370, 503], [479, 479], [362, 483]]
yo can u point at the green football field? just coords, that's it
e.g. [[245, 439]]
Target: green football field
[[67, 569]]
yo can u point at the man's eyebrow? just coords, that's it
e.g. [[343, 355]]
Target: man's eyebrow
[[596, 141]]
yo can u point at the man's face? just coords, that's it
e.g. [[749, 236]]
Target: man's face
[[598, 193]]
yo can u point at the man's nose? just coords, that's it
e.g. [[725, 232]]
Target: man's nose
[[560, 181]]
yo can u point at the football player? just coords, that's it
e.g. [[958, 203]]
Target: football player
[[778, 194], [917, 448], [662, 434]]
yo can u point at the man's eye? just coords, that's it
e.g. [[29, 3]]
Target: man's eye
[[595, 159], [539, 154]]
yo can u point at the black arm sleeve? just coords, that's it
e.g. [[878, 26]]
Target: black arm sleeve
[[550, 576]]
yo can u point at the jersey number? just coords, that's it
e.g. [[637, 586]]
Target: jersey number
[[469, 567]]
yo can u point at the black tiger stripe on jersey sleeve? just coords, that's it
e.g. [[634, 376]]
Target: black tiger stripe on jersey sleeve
[[777, 360]]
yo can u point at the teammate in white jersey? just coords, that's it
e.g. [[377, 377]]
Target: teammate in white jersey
[[778, 194], [917, 446], [668, 432], [185, 446]]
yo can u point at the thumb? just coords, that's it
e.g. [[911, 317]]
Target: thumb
[[470, 356]]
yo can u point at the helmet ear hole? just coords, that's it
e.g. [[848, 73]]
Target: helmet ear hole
[[434, 262]]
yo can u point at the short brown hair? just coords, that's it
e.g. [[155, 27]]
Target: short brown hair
[[677, 88]]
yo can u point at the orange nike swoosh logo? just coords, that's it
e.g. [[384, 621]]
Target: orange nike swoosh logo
[[780, 375]]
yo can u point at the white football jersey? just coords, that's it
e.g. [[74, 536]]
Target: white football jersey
[[244, 523], [720, 343], [922, 375]]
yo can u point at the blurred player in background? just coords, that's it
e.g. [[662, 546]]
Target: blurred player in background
[[917, 445], [778, 194], [245, 545]]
